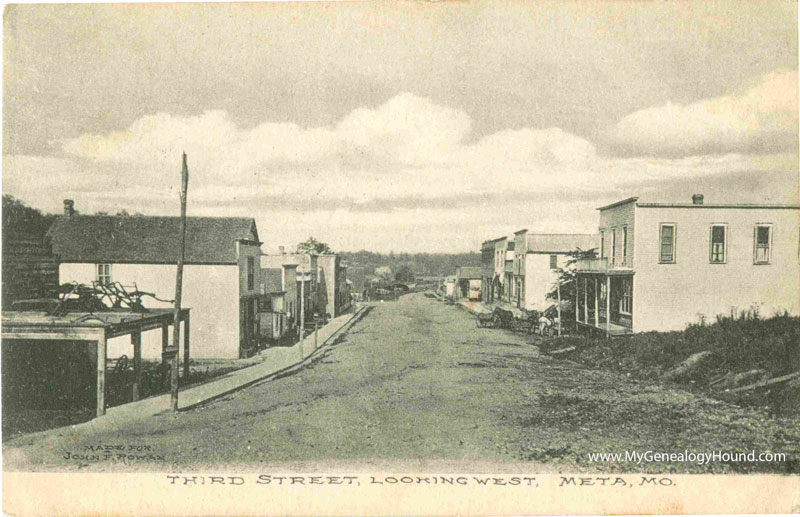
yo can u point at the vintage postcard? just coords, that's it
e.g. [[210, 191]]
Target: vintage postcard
[[407, 258]]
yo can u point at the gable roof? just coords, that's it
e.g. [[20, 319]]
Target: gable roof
[[563, 242], [149, 240]]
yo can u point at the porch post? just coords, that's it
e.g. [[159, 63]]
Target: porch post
[[585, 301], [101, 375], [608, 304], [596, 304], [136, 341], [577, 307], [186, 325]]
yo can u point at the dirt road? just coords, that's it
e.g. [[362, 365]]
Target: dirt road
[[415, 385]]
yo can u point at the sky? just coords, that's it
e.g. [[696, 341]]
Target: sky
[[404, 126]]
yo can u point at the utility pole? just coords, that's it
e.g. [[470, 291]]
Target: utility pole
[[176, 325], [302, 312]]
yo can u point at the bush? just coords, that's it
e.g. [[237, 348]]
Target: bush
[[740, 342]]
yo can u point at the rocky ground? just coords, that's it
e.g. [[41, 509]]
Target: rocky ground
[[416, 385]]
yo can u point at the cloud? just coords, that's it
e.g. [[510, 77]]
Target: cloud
[[406, 174], [763, 119]]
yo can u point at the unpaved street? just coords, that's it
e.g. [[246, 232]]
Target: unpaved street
[[416, 384]]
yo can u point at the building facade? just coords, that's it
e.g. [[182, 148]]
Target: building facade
[[662, 266], [220, 276]]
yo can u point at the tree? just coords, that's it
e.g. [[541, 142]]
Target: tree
[[312, 245], [20, 218], [567, 281], [404, 274]]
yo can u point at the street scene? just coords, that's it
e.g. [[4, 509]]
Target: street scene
[[416, 382], [402, 238]]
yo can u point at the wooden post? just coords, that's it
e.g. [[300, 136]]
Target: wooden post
[[136, 341], [302, 313], [164, 345], [608, 305], [101, 376], [186, 329], [596, 303], [577, 307], [586, 300], [176, 325], [558, 292], [316, 326]]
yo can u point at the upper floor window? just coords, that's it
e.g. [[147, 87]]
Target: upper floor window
[[719, 239], [104, 274], [625, 245], [251, 272], [553, 261], [763, 243], [613, 246], [667, 243], [602, 243]]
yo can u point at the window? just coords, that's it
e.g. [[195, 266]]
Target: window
[[667, 248], [553, 261], [613, 246], [718, 243], [763, 243], [602, 243], [251, 273], [625, 245], [104, 274], [626, 300]]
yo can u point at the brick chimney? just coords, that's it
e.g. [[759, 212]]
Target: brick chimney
[[69, 207], [697, 199]]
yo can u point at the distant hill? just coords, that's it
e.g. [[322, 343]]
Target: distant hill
[[422, 264]]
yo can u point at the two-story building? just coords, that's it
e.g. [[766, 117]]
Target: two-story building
[[537, 258], [493, 257], [277, 305], [220, 275], [333, 279], [662, 266]]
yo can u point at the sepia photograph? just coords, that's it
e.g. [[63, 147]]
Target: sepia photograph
[[400, 258]]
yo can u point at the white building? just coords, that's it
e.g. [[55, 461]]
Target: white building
[[220, 276], [537, 258], [662, 266]]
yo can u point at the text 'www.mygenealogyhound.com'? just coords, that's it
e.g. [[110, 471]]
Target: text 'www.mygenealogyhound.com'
[[700, 458]]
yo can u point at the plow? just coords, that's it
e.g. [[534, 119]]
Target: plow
[[91, 298]]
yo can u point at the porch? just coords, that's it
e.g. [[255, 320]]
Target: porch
[[604, 300]]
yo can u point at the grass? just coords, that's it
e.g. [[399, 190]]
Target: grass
[[739, 343]]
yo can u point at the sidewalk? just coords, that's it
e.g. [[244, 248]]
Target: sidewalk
[[278, 360]]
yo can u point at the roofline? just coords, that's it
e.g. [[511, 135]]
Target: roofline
[[562, 235], [556, 252], [147, 263], [618, 203], [718, 205], [520, 231], [248, 242], [495, 240]]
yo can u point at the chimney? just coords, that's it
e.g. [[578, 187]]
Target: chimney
[[281, 250], [697, 199], [69, 207]]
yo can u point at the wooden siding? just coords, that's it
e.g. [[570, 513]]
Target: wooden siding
[[30, 269]]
